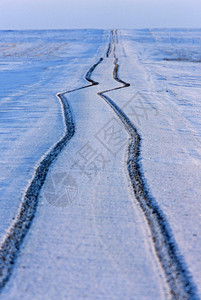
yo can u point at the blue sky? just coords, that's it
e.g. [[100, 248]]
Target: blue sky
[[45, 14]]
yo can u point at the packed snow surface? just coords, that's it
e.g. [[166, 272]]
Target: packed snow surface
[[91, 233]]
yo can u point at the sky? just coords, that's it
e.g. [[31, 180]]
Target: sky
[[106, 14]]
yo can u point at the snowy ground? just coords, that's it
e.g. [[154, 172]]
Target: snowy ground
[[89, 237]]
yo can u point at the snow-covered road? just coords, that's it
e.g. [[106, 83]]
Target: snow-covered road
[[109, 225]]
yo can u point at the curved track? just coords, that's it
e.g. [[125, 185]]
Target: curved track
[[176, 274], [11, 244]]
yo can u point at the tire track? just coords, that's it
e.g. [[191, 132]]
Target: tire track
[[178, 279], [110, 44], [177, 276], [11, 244]]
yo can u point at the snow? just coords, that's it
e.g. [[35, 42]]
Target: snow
[[31, 117], [171, 155], [93, 241]]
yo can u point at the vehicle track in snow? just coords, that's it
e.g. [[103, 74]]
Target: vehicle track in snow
[[11, 244], [178, 279]]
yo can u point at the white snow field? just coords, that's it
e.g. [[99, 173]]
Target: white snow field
[[100, 169]]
